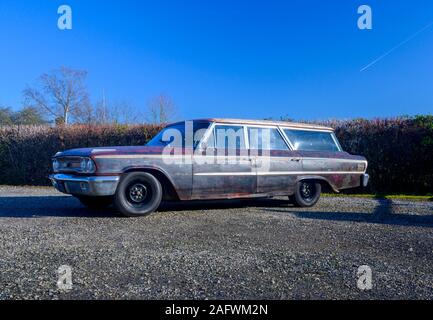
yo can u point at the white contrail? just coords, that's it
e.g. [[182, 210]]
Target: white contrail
[[397, 46]]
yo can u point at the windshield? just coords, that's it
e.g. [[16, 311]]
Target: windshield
[[176, 135]]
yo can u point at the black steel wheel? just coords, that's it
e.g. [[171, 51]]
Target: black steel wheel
[[138, 194], [307, 193]]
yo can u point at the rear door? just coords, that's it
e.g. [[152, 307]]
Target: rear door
[[276, 164]]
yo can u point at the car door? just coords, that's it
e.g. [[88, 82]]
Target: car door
[[277, 166], [223, 169]]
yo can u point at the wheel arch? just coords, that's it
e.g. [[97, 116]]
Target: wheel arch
[[325, 183], [168, 186]]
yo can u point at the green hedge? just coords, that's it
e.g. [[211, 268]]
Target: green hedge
[[26, 151], [399, 151]]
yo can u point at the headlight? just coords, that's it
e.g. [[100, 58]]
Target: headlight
[[87, 165], [56, 165]]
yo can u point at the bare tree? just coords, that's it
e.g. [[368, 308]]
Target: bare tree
[[84, 115], [161, 109], [107, 112], [61, 94]]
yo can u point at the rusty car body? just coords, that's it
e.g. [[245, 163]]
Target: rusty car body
[[211, 159]]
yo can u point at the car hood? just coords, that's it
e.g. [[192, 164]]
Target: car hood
[[89, 152]]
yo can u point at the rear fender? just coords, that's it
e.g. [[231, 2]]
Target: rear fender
[[319, 179]]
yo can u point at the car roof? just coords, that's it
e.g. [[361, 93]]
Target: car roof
[[263, 123]]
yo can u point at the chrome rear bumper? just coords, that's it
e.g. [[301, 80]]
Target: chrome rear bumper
[[86, 186]]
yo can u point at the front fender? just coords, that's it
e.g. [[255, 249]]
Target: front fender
[[149, 168], [181, 189]]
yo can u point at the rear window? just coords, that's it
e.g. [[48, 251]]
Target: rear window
[[306, 140]]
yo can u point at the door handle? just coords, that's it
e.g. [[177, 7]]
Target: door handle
[[295, 159]]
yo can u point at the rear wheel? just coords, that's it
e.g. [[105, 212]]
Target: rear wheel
[[307, 193], [138, 194], [96, 203]]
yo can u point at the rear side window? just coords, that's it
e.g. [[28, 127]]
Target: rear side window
[[306, 140], [265, 139]]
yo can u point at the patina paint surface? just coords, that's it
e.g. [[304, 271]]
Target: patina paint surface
[[215, 174]]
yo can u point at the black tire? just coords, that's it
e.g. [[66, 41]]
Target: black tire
[[95, 203], [138, 194], [307, 193]]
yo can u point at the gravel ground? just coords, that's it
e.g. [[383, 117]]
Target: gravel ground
[[262, 249]]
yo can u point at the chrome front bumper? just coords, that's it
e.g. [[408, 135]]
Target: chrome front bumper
[[365, 178], [86, 186]]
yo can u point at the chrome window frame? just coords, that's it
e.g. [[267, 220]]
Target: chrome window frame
[[205, 135], [280, 129], [336, 141]]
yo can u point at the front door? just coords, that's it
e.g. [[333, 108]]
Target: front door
[[225, 169]]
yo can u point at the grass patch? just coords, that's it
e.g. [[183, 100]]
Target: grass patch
[[24, 186], [383, 196]]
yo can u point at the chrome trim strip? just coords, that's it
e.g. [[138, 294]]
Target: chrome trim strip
[[336, 141], [67, 177], [286, 139], [275, 173], [307, 129], [262, 122], [207, 134], [335, 159], [157, 156], [225, 174], [139, 156], [102, 150], [246, 138], [307, 172]]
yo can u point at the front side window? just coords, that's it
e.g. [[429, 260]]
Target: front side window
[[175, 135], [266, 139], [306, 140], [200, 129]]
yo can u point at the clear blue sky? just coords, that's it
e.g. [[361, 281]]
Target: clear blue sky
[[249, 59]]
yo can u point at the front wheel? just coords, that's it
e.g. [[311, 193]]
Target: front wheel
[[138, 194], [307, 193]]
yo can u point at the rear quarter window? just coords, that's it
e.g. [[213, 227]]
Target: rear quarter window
[[306, 140]]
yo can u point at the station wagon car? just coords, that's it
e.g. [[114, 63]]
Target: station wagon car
[[211, 159]]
